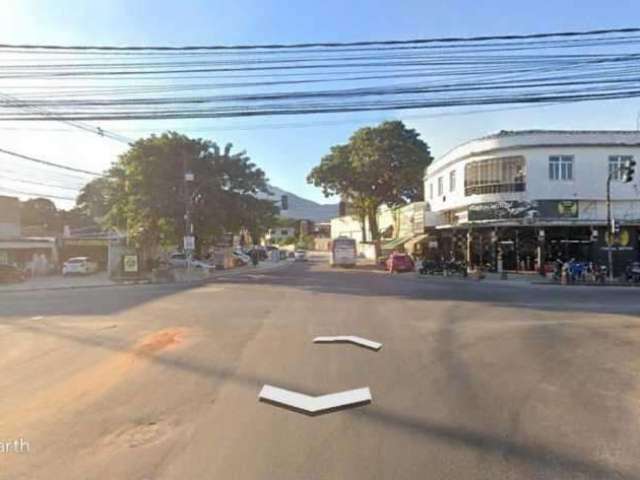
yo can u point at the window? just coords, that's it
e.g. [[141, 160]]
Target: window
[[452, 181], [284, 231], [431, 191], [495, 175], [440, 186], [616, 162], [561, 167]]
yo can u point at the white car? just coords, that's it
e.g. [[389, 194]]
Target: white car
[[179, 260], [300, 256], [79, 265], [243, 257]]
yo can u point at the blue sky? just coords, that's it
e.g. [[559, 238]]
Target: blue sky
[[287, 154]]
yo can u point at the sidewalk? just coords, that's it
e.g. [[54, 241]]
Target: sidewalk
[[513, 279], [58, 282]]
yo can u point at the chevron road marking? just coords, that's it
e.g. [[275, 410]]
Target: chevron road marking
[[310, 405], [363, 342]]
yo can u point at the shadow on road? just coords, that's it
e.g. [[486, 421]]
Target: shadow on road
[[319, 278], [557, 463], [84, 301]]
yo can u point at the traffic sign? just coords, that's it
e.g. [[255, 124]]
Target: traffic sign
[[189, 242]]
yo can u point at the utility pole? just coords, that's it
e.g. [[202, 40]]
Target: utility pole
[[610, 227], [189, 241]]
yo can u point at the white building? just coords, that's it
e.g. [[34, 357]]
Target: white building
[[277, 234], [400, 228], [520, 190]]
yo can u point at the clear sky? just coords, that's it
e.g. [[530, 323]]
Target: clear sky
[[286, 153]]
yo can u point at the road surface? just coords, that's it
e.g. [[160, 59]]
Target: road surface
[[474, 380]]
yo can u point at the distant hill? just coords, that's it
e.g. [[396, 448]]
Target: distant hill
[[301, 208]]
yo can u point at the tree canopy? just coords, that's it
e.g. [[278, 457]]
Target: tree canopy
[[145, 193], [379, 165]]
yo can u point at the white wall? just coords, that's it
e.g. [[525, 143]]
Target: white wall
[[590, 170], [275, 234], [348, 226]]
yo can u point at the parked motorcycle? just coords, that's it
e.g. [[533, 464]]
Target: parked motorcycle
[[632, 272]]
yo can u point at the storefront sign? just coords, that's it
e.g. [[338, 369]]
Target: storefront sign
[[500, 210], [557, 208], [130, 263], [514, 209]]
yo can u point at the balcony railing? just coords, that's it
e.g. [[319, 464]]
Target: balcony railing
[[494, 188]]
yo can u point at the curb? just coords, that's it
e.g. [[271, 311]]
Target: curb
[[141, 282]]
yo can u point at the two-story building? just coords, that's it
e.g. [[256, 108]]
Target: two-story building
[[520, 198]]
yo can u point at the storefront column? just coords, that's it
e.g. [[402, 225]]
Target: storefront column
[[468, 252], [517, 251], [494, 246]]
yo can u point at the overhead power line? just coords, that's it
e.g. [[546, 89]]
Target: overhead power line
[[34, 194], [50, 164], [87, 128], [32, 182], [417, 41], [59, 83]]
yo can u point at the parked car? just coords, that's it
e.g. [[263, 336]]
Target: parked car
[[399, 262], [241, 257], [11, 274], [179, 260], [300, 256], [79, 265]]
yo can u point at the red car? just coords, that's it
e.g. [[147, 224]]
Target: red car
[[399, 262]]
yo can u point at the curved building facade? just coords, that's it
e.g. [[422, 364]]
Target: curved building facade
[[532, 196]]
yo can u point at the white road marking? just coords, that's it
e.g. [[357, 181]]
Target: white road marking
[[39, 317], [363, 342], [315, 405]]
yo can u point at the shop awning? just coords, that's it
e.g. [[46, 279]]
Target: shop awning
[[395, 243], [412, 242]]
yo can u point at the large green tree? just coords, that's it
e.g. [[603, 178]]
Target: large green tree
[[40, 215], [145, 193], [379, 165]]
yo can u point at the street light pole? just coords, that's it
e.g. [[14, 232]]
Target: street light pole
[[188, 179]]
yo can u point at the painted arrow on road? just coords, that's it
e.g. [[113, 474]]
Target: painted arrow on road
[[310, 405], [363, 342]]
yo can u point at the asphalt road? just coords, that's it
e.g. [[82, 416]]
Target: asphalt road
[[474, 381]]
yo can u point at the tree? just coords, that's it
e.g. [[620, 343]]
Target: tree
[[40, 214], [96, 197], [145, 193], [380, 165]]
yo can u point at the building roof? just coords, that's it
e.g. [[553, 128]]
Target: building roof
[[573, 133], [511, 139]]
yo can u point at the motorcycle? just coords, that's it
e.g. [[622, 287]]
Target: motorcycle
[[632, 272]]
